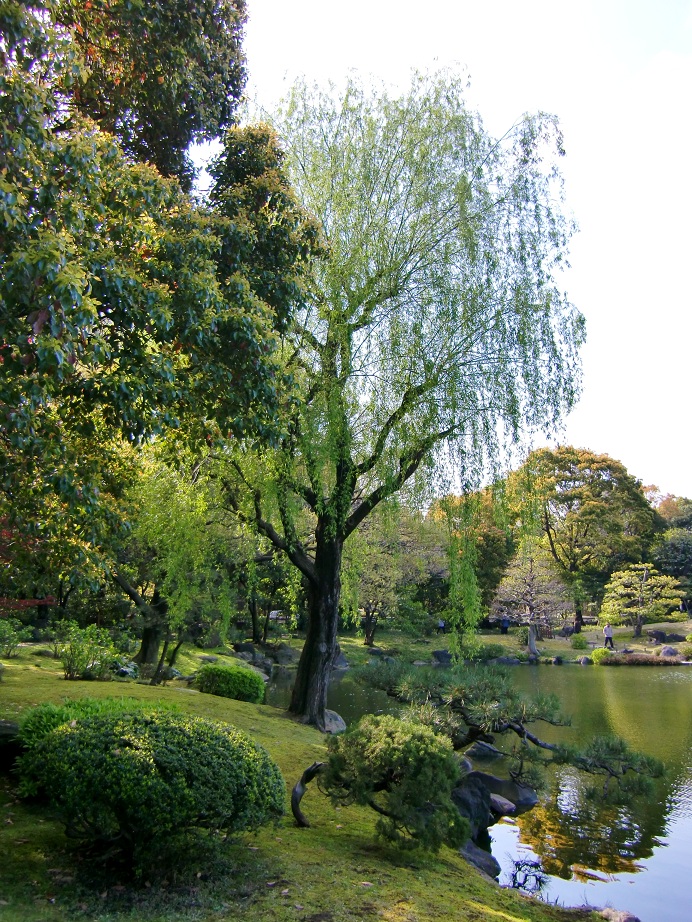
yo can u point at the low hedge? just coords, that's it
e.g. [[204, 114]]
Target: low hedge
[[231, 682], [128, 783]]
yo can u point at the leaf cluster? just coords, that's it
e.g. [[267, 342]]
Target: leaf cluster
[[405, 772]]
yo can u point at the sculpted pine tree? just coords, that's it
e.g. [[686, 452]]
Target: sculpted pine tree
[[435, 328]]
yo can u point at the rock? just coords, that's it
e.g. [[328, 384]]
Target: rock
[[246, 657], [522, 796], [669, 651], [376, 651], [472, 800], [442, 657], [505, 661], [420, 662], [481, 859], [285, 655], [556, 661], [618, 915], [465, 764], [244, 648], [501, 806], [585, 661], [333, 723], [342, 663], [481, 750], [173, 673], [43, 652], [209, 658], [657, 636], [128, 671], [674, 638]]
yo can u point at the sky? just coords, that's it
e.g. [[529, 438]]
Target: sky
[[618, 74]]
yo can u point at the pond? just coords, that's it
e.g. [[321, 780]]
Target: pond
[[635, 857]]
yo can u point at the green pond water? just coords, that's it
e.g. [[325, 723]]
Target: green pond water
[[635, 857]]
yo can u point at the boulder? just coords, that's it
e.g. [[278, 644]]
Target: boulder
[[669, 651], [481, 859], [244, 648], [465, 765], [501, 806], [128, 671], [505, 661], [556, 661], [442, 657], [585, 661], [618, 915], [522, 796], [333, 723], [472, 800], [674, 638], [285, 655], [246, 657], [342, 663], [481, 750], [657, 636], [209, 658], [376, 651]]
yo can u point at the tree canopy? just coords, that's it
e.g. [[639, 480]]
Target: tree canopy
[[435, 329], [593, 514]]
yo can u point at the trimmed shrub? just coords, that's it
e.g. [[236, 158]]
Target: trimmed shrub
[[579, 642], [231, 682], [128, 783], [686, 650], [523, 635], [406, 772], [42, 719], [599, 655]]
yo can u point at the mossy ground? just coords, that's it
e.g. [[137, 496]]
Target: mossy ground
[[336, 871]]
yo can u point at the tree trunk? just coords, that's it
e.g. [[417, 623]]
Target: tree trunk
[[256, 634], [533, 633], [309, 698], [638, 624], [370, 626]]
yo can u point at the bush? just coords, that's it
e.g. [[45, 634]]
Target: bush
[[42, 719], [132, 782], [85, 653], [406, 771], [689, 638], [231, 682], [599, 655], [686, 650], [12, 633], [579, 642], [523, 635]]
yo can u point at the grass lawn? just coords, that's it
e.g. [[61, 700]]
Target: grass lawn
[[333, 872]]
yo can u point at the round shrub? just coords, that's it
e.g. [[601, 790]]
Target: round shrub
[[231, 682], [599, 654], [579, 642], [406, 772], [686, 650], [131, 781]]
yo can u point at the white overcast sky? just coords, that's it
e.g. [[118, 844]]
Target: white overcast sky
[[618, 73]]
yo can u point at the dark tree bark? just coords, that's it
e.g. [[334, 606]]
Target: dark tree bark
[[309, 698]]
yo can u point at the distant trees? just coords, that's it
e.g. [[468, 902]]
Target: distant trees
[[593, 514]]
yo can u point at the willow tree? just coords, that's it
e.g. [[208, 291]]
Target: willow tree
[[435, 330]]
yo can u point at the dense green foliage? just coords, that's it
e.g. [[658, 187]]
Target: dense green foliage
[[85, 653], [231, 682], [405, 772], [12, 633], [128, 782], [639, 594]]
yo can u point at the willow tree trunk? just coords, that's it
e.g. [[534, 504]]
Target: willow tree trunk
[[309, 698]]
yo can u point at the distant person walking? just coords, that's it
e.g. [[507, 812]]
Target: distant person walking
[[608, 634]]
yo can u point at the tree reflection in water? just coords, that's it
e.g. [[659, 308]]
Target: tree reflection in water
[[577, 836]]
